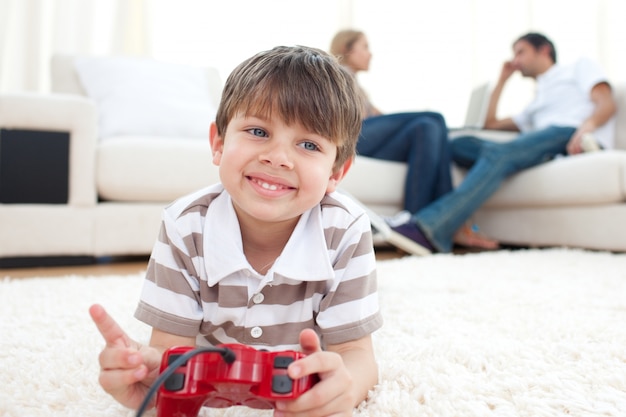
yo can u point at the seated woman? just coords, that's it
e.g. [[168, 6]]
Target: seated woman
[[420, 139]]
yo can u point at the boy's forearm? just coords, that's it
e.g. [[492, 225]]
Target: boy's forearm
[[162, 341], [364, 371], [358, 358]]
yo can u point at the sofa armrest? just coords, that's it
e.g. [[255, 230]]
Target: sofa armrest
[[65, 113]]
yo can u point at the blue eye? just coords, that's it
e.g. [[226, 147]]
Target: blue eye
[[310, 146], [258, 132]]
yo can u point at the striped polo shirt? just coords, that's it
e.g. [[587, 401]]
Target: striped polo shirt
[[199, 283]]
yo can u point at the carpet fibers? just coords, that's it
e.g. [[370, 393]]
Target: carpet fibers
[[524, 333]]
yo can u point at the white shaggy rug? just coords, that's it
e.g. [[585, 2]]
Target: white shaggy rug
[[525, 333]]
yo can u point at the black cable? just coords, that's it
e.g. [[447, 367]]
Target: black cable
[[227, 354]]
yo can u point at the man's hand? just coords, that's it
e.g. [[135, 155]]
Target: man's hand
[[491, 119], [333, 395], [604, 108], [574, 146], [508, 68], [127, 369]]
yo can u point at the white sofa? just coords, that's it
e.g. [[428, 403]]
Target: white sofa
[[119, 185]]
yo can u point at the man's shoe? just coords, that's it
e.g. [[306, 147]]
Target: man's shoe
[[410, 238]]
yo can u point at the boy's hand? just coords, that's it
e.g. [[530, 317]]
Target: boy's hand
[[333, 395], [127, 369]]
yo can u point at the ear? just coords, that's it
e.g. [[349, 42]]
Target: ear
[[337, 175], [217, 144], [545, 50]]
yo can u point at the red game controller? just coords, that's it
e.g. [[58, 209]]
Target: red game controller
[[253, 378]]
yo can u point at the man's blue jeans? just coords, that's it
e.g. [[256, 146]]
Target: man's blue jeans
[[490, 164], [421, 140]]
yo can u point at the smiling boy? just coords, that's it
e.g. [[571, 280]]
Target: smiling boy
[[272, 257]]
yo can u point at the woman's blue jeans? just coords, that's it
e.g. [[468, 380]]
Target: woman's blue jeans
[[490, 163], [421, 140]]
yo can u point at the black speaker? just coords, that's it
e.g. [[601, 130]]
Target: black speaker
[[34, 167]]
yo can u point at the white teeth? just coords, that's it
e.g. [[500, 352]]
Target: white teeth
[[267, 186]]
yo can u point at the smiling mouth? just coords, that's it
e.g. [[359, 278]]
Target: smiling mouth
[[269, 186]]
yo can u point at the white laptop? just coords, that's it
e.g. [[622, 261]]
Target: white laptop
[[477, 107]]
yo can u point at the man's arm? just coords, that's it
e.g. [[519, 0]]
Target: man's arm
[[491, 121], [605, 108]]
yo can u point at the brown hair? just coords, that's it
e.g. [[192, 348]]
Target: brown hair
[[343, 42], [301, 85], [537, 41]]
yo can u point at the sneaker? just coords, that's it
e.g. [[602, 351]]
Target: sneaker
[[410, 238], [382, 232], [397, 219]]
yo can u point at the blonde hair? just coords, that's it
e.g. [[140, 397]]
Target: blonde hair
[[301, 85], [343, 41]]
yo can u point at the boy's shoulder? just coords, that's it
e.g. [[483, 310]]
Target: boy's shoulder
[[340, 201], [198, 201], [340, 211]]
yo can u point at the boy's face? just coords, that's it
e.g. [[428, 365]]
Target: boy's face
[[272, 171]]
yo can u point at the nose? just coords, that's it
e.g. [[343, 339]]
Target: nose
[[277, 155]]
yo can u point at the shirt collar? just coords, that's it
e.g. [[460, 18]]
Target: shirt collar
[[548, 73], [223, 248]]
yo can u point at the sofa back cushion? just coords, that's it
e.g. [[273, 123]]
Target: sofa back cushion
[[65, 78], [150, 169], [140, 96]]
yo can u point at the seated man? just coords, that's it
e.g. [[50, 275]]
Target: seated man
[[571, 102]]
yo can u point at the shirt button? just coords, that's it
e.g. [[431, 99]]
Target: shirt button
[[258, 298], [256, 332]]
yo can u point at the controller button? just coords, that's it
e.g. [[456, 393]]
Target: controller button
[[282, 384], [175, 382], [173, 357], [282, 362], [256, 332], [258, 298]]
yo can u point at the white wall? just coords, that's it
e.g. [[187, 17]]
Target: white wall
[[427, 54]]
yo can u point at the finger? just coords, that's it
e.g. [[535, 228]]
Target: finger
[[108, 328], [322, 364], [324, 399], [118, 380], [151, 358], [120, 358], [311, 364], [309, 342]]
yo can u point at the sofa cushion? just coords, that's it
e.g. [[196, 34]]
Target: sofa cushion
[[146, 97], [581, 180], [153, 169], [377, 183]]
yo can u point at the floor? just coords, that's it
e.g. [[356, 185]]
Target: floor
[[117, 266], [131, 265]]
